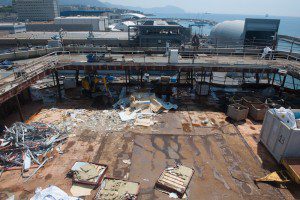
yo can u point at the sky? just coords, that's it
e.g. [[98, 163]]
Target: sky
[[252, 7]]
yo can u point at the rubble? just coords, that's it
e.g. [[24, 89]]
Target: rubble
[[70, 120], [141, 107], [24, 145], [117, 189]]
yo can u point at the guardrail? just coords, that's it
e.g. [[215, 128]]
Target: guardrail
[[28, 71]]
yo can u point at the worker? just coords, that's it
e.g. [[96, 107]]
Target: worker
[[266, 51]]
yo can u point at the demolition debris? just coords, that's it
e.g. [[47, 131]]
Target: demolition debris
[[28, 145]]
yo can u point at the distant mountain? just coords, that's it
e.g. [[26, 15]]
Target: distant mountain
[[155, 10]]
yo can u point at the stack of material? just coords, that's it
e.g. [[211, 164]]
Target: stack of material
[[175, 180], [141, 107], [88, 173], [117, 189], [27, 144]]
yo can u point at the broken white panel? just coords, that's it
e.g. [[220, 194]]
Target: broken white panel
[[127, 116], [81, 190], [52, 193], [26, 161]]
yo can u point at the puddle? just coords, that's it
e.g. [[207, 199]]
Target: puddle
[[207, 146], [190, 141], [220, 178]]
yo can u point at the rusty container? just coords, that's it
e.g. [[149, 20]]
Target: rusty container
[[237, 112], [248, 101], [258, 111]]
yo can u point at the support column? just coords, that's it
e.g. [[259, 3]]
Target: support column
[[273, 78], [53, 77], [19, 108], [77, 77], [58, 85], [243, 77], [192, 79], [294, 83], [282, 85], [210, 79], [178, 78], [257, 78], [141, 77]]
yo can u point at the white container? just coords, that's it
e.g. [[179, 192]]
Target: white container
[[279, 139], [173, 56]]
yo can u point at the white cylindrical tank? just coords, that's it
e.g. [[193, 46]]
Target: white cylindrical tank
[[227, 32]]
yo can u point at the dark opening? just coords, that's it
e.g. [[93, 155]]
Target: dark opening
[[259, 38]]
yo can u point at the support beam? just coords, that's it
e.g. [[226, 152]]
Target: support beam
[[282, 85], [77, 77], [257, 78], [58, 85], [273, 78], [19, 108]]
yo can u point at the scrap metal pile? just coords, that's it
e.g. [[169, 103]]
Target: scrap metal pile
[[24, 145]]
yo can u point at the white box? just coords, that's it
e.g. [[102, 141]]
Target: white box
[[279, 139], [173, 56]]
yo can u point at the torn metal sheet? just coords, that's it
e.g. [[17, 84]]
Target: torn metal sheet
[[117, 189], [175, 180]]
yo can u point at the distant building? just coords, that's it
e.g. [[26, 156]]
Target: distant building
[[158, 33], [96, 23], [36, 10], [121, 26], [251, 32], [11, 28], [69, 13], [131, 16]]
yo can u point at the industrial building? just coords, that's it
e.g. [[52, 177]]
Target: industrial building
[[132, 16], [97, 23], [12, 28], [249, 32], [158, 33], [36, 10], [121, 26]]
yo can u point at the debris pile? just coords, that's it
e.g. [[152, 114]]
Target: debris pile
[[141, 107], [71, 120], [24, 145], [117, 189]]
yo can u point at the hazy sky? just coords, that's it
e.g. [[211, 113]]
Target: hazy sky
[[260, 7]]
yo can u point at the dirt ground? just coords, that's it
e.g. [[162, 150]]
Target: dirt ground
[[226, 156]]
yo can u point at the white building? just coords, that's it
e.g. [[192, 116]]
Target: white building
[[36, 10], [12, 28], [130, 16], [121, 26], [97, 23]]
